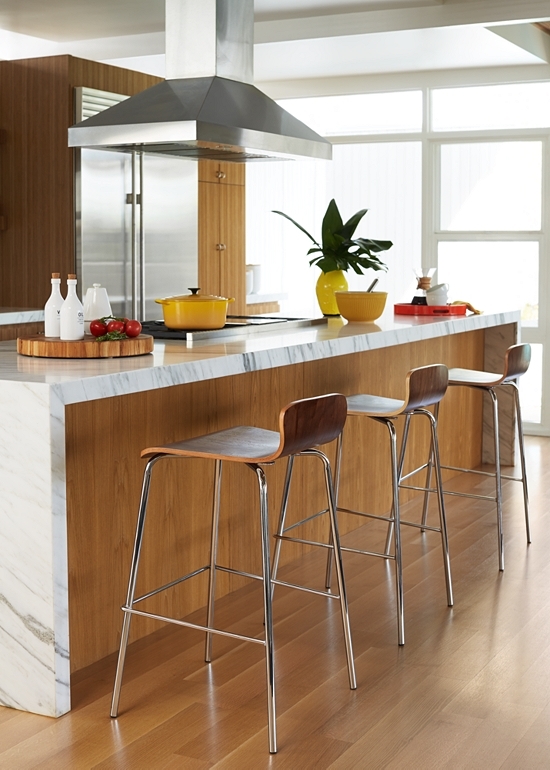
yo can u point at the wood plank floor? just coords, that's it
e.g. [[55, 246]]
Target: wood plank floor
[[470, 689]]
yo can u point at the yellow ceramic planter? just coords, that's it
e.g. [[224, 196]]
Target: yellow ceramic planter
[[327, 284]]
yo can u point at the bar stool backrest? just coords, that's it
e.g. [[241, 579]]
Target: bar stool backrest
[[310, 422], [517, 360], [425, 386]]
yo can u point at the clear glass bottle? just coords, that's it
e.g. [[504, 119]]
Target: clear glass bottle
[[72, 313], [52, 308]]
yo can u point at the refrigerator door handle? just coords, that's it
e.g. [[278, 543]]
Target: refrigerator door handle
[[141, 316], [134, 237]]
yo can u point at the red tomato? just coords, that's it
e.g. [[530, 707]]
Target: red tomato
[[115, 326], [98, 328], [132, 328]]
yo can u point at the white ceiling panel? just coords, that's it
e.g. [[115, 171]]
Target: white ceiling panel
[[426, 49]]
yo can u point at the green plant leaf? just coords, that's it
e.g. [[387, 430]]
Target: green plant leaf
[[351, 225], [311, 238], [332, 223]]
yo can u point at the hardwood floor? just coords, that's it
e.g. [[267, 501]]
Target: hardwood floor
[[470, 689]]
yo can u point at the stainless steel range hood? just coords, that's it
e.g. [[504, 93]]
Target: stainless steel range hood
[[207, 107]]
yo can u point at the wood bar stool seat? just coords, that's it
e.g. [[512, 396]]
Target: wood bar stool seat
[[516, 363], [424, 387], [303, 426]]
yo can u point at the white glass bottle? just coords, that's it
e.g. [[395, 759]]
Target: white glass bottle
[[72, 313], [52, 308]]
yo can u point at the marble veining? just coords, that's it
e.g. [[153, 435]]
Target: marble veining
[[18, 315], [34, 633], [177, 363]]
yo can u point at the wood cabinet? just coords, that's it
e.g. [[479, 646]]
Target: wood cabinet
[[222, 232], [37, 167]]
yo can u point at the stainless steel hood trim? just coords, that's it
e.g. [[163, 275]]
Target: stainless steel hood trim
[[183, 138]]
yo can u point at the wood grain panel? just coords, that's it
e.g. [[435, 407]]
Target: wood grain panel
[[13, 331], [36, 167], [257, 308], [208, 234], [103, 444], [232, 233], [221, 223]]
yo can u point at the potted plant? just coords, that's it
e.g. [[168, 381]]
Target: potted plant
[[338, 252]]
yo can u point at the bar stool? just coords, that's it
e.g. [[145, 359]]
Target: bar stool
[[516, 363], [303, 425], [424, 387]]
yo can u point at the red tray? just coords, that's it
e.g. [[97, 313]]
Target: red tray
[[406, 308]]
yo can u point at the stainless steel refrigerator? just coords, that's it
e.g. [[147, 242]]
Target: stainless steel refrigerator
[[136, 221]]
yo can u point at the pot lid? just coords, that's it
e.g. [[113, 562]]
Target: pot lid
[[195, 297]]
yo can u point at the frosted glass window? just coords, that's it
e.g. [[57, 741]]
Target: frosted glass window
[[493, 276], [384, 178], [491, 186], [359, 113], [518, 105], [530, 388]]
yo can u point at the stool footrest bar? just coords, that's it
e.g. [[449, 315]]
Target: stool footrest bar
[[197, 627], [239, 572], [307, 590], [304, 521], [387, 519], [367, 553], [172, 584], [302, 541]]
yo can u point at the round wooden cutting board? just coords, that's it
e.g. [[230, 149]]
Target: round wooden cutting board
[[89, 347]]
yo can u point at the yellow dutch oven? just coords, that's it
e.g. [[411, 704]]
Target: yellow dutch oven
[[195, 311]]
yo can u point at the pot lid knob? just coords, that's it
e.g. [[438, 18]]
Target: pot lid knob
[[193, 291]]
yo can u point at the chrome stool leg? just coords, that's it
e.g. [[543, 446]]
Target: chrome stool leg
[[213, 558], [282, 519], [429, 472], [402, 452], [441, 506], [132, 584], [395, 467], [328, 575], [522, 459], [338, 564], [498, 479], [268, 610]]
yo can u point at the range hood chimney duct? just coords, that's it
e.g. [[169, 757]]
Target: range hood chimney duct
[[207, 107]]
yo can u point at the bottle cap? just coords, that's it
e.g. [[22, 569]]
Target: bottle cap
[[72, 277], [56, 275]]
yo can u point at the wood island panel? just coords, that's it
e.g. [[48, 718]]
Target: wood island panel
[[104, 470]]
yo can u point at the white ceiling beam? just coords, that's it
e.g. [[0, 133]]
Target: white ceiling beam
[[450, 14], [526, 36]]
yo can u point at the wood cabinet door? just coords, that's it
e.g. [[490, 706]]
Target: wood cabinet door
[[232, 236], [222, 242], [221, 173]]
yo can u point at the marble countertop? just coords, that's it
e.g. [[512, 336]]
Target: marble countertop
[[176, 363], [19, 315]]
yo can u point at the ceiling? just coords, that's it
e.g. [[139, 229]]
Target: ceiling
[[295, 39]]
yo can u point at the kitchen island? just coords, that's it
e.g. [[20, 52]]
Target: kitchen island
[[70, 470]]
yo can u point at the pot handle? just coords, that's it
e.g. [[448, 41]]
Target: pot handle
[[162, 302], [231, 299]]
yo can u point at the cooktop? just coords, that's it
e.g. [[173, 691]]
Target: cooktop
[[236, 326]]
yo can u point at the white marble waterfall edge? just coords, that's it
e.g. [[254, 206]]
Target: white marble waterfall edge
[[33, 567]]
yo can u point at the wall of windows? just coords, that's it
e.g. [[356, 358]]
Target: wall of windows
[[456, 177]]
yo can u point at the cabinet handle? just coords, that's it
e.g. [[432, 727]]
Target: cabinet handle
[[221, 174], [221, 246]]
